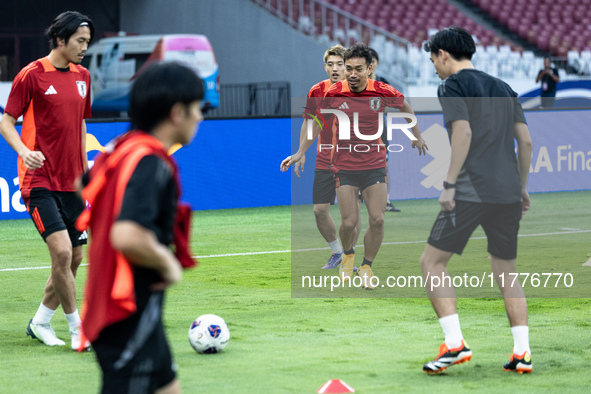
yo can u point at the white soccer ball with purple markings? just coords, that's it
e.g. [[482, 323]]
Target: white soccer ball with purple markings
[[209, 334]]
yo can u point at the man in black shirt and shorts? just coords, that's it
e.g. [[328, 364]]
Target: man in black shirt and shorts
[[485, 185]]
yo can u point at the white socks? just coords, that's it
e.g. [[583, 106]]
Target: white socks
[[73, 320], [43, 315], [335, 246], [453, 334], [452, 331], [520, 339]]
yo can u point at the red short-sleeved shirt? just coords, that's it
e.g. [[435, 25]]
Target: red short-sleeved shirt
[[355, 154], [54, 104]]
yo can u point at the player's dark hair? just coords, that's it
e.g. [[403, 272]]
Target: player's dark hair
[[157, 89], [374, 54], [455, 40], [359, 49], [547, 57], [66, 24]]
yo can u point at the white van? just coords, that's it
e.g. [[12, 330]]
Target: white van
[[113, 63]]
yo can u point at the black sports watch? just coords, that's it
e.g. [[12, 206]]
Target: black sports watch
[[448, 185]]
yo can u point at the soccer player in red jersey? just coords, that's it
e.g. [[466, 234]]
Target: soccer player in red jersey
[[324, 192], [53, 95], [359, 164]]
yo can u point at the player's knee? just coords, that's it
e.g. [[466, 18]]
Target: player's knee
[[61, 258], [348, 224], [376, 222], [321, 210]]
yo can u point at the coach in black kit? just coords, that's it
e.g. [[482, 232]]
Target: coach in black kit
[[485, 185]]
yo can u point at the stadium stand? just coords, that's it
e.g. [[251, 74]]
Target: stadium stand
[[413, 20], [397, 30], [556, 26], [410, 21], [561, 28]]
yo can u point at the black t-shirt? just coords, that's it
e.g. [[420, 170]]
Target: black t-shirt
[[150, 198], [490, 173], [150, 201], [548, 83]]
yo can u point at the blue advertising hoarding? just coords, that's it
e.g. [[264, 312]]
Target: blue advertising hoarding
[[230, 164], [561, 159]]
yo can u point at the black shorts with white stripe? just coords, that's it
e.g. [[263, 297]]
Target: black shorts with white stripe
[[500, 222], [141, 362]]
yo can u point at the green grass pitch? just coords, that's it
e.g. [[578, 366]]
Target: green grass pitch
[[286, 340]]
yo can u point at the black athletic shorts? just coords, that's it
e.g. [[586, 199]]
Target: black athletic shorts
[[324, 189], [53, 211], [361, 179], [150, 368], [500, 222]]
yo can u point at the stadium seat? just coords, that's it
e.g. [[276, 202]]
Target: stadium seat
[[339, 35], [492, 50], [414, 60], [305, 25], [388, 53], [585, 62], [535, 21], [574, 61]]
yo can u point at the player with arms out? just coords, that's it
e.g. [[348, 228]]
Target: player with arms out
[[485, 185], [355, 168], [133, 190], [53, 94], [324, 191]]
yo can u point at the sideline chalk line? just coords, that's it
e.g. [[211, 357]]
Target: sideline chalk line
[[311, 249]]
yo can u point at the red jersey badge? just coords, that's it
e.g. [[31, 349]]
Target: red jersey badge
[[81, 88], [374, 103]]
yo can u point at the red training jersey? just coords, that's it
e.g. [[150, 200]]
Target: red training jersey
[[326, 137], [109, 295], [54, 104], [354, 153]]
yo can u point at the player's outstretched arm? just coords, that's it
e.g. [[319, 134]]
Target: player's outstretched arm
[[305, 143], [31, 159], [141, 247], [420, 142], [296, 167], [524, 152]]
